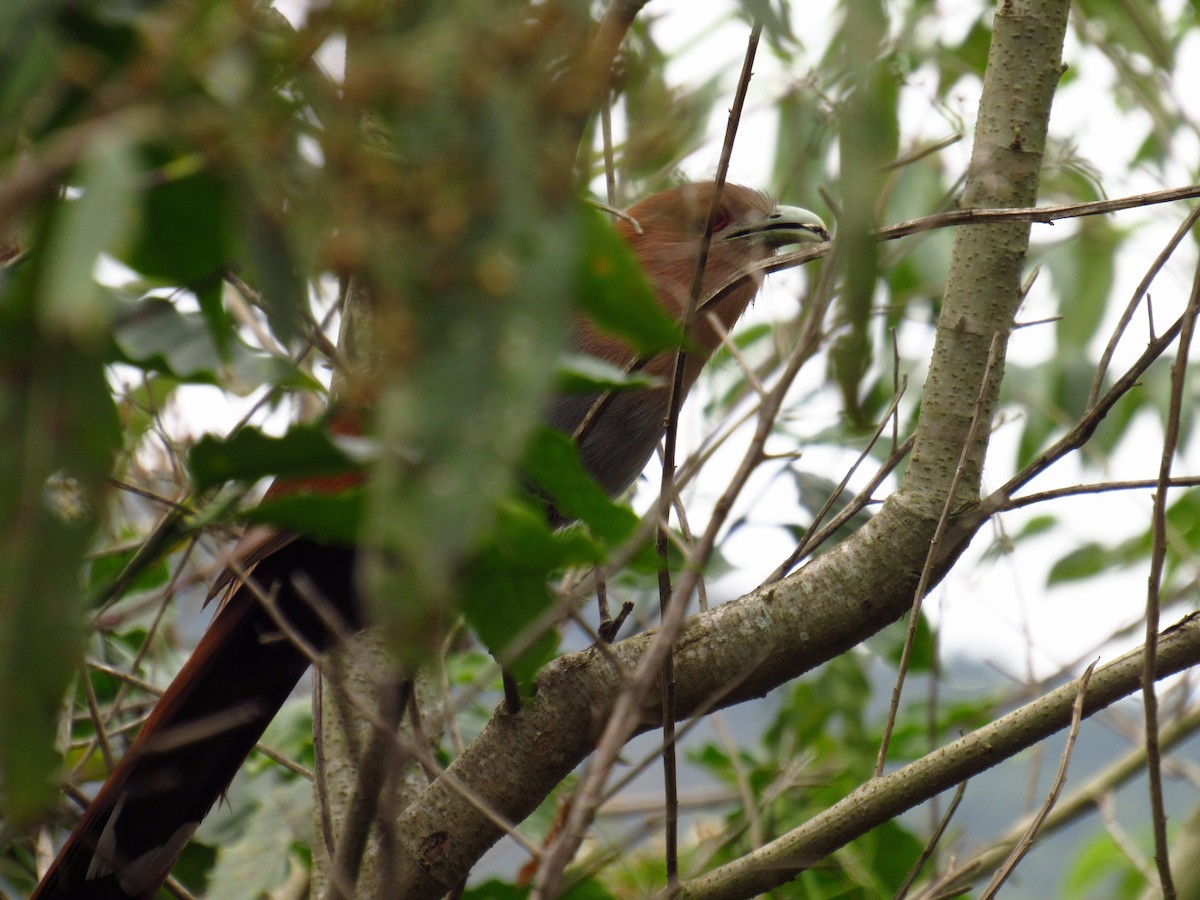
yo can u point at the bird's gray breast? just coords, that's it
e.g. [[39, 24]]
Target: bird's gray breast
[[619, 444]]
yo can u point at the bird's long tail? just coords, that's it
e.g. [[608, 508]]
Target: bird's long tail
[[204, 726]]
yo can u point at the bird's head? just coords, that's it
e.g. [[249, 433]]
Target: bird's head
[[749, 227], [745, 217]]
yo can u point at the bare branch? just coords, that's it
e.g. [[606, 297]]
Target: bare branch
[[1026, 841], [1158, 557], [881, 799]]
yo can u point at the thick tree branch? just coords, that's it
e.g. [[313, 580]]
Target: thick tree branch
[[1075, 805], [984, 284], [882, 799]]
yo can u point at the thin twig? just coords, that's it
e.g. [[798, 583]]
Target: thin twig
[[307, 591], [603, 613], [686, 541], [711, 702], [939, 533], [610, 173], [177, 890], [619, 214], [1087, 424], [594, 70], [1080, 802], [114, 708], [898, 385], [168, 530], [1153, 600], [741, 777], [667, 489], [168, 594], [1045, 215], [1143, 286], [239, 302], [849, 511], [812, 538], [806, 346], [783, 783], [730, 345], [1026, 842], [931, 844], [152, 496], [923, 151], [1101, 487], [89, 692]]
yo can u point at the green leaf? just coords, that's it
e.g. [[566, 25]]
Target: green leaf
[[969, 57], [281, 284], [505, 590], [194, 865], [666, 122], [1085, 561], [255, 845], [250, 455], [60, 432], [486, 326], [1095, 865], [589, 889], [19, 17], [813, 491], [81, 229], [553, 462], [890, 644], [1136, 26], [776, 22], [26, 70], [1183, 522], [582, 374], [496, 890], [220, 325], [185, 227], [154, 335], [336, 518], [100, 32], [1082, 269], [107, 567], [290, 733], [614, 292], [1035, 526], [880, 859], [802, 143], [869, 141], [1152, 150], [850, 358]]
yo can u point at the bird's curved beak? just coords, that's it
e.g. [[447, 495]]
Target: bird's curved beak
[[784, 225]]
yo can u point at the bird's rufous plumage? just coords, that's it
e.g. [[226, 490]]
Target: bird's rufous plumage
[[246, 665]]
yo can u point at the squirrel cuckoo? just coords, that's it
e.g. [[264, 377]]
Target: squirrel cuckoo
[[244, 668]]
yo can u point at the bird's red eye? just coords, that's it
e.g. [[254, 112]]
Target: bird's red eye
[[721, 222]]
